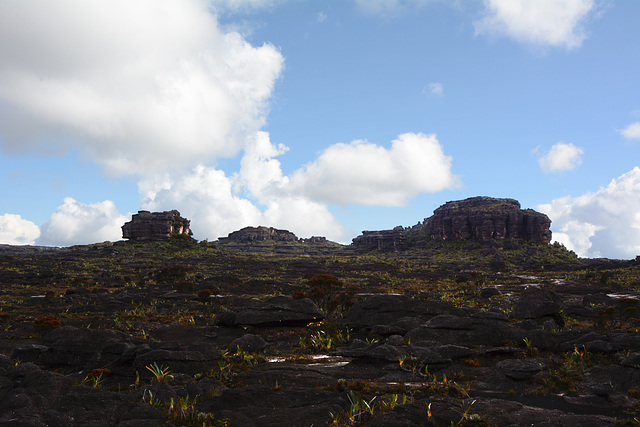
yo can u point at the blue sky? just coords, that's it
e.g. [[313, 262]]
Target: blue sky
[[321, 117]]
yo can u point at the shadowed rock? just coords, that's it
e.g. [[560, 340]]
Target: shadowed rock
[[147, 225]]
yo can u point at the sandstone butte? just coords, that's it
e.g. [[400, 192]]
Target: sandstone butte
[[147, 225]]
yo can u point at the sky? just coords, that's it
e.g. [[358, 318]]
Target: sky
[[325, 118]]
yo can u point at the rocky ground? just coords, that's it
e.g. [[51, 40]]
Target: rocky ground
[[180, 333]]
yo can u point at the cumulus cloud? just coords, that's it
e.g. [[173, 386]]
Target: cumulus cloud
[[368, 174], [211, 200], [15, 230], [562, 157], [157, 80], [558, 23], [76, 223], [605, 223], [632, 131]]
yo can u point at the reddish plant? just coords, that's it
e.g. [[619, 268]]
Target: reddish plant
[[325, 280], [204, 295], [299, 295], [184, 286], [47, 323]]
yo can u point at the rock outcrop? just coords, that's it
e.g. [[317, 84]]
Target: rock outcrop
[[259, 234], [147, 225], [384, 240], [484, 218], [477, 218], [272, 240]]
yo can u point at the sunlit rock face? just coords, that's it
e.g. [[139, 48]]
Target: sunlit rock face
[[484, 218], [147, 225]]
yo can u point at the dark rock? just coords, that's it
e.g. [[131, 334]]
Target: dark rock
[[535, 303], [249, 342], [374, 352], [388, 309], [519, 369], [147, 225], [489, 292], [632, 361], [276, 311]]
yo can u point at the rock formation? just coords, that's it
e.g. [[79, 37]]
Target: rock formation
[[384, 240], [259, 234], [477, 218], [271, 240], [485, 218], [147, 225]]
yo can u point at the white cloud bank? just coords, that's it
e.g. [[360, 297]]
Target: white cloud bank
[[561, 157], [76, 223], [632, 131], [152, 79], [605, 223], [368, 174], [557, 23], [15, 230]]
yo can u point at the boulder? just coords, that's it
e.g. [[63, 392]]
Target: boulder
[[276, 311], [535, 302], [519, 369]]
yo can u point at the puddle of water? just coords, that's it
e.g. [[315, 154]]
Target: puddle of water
[[618, 296]]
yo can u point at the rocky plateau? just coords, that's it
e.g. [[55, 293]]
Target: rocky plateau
[[469, 318]]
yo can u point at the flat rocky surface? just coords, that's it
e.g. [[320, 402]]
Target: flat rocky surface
[[181, 333]]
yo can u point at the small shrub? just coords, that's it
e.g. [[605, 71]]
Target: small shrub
[[299, 295], [204, 295], [184, 286], [47, 323]]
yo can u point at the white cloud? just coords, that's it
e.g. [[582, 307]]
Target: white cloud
[[235, 6], [542, 22], [76, 223], [436, 88], [601, 224], [152, 79], [211, 200], [561, 157], [368, 174], [14, 230], [632, 131]]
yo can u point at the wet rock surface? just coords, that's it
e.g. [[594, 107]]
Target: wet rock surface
[[124, 334]]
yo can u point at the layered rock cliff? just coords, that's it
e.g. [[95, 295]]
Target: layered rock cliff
[[484, 218], [147, 225], [477, 218]]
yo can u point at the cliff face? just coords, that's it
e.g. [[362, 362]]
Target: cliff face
[[484, 218], [147, 225], [384, 240], [477, 218], [259, 234]]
